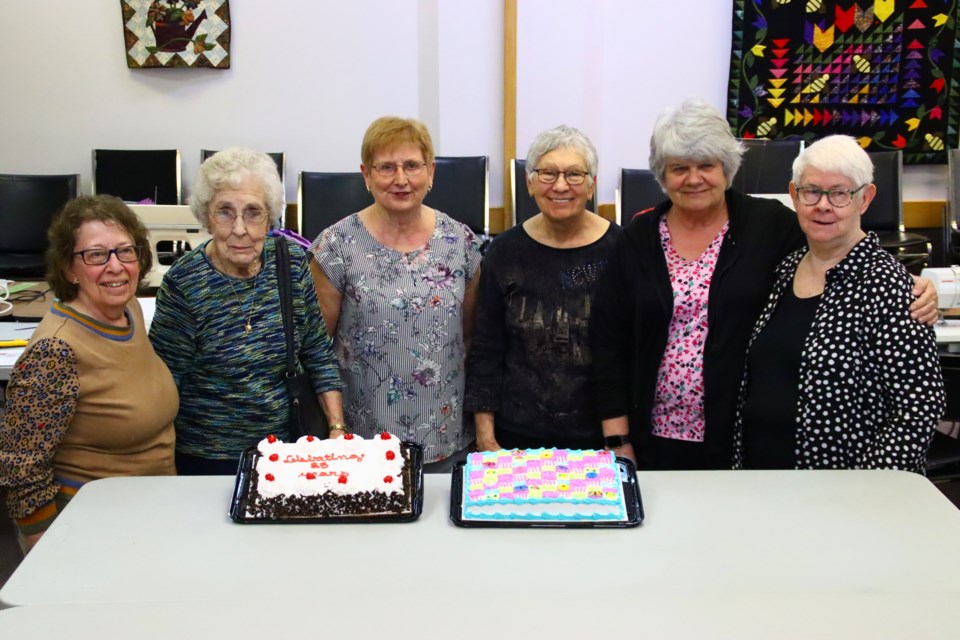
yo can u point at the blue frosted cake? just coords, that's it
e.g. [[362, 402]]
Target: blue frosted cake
[[535, 485]]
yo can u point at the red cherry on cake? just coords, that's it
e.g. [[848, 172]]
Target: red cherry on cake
[[342, 479], [384, 436], [391, 455], [348, 436], [271, 438], [311, 476], [274, 457], [388, 479], [309, 438], [269, 477]]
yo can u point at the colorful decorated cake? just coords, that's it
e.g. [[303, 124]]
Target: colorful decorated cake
[[543, 485], [313, 478]]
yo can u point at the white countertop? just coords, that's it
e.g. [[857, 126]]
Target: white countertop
[[737, 550]]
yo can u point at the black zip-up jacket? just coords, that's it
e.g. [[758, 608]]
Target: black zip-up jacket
[[634, 303]]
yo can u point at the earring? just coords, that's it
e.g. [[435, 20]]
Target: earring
[[429, 188], [76, 281]]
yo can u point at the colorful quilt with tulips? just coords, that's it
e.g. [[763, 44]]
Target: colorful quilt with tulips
[[883, 71]]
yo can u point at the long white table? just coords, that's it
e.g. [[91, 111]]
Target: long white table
[[753, 553]]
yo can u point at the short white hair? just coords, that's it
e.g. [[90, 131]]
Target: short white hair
[[227, 169], [835, 154]]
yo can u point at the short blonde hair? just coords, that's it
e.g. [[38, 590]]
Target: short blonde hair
[[390, 131]]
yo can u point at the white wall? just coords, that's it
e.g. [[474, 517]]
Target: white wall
[[308, 77]]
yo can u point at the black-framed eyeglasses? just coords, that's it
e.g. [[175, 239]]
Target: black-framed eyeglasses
[[251, 215], [838, 197], [574, 177], [97, 257], [389, 169]]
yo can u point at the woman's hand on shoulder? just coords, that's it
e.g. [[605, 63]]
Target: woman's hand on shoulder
[[924, 308]]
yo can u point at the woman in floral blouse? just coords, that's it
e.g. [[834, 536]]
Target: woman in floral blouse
[[838, 374], [397, 284]]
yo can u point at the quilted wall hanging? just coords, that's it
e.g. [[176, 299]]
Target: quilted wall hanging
[[883, 71], [176, 33]]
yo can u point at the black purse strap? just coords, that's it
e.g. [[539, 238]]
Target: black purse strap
[[286, 301]]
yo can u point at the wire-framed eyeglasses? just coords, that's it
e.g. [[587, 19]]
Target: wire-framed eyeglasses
[[389, 169], [574, 177], [97, 257], [250, 215], [838, 197]]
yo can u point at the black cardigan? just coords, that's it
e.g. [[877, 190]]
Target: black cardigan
[[634, 304]]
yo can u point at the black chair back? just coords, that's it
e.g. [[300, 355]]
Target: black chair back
[[886, 210], [326, 198], [524, 205], [767, 165], [136, 175], [27, 206], [461, 190], [638, 191]]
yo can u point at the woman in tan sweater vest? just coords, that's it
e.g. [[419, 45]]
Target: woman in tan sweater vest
[[88, 398]]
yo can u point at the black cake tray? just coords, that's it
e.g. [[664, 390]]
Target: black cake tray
[[238, 505], [631, 496]]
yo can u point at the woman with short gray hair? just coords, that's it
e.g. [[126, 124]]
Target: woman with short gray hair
[[838, 376], [218, 324], [528, 369]]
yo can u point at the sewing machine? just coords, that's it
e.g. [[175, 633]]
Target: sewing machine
[[947, 283], [173, 232]]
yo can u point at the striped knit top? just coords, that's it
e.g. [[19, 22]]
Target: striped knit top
[[232, 392], [400, 333]]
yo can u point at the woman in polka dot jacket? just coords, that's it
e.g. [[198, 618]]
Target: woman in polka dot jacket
[[838, 376]]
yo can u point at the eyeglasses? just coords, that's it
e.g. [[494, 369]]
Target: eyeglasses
[[574, 177], [839, 198], [97, 257], [229, 216], [389, 169]]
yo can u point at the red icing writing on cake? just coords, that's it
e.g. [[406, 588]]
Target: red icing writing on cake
[[297, 458]]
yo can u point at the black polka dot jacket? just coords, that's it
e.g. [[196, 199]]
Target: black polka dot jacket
[[871, 391]]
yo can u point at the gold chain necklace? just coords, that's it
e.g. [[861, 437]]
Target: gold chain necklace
[[246, 314]]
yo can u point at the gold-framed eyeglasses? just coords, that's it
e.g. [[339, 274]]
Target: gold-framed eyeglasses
[[389, 169], [97, 257], [250, 215], [574, 177], [838, 197]]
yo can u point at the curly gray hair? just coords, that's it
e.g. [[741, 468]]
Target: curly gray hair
[[227, 169]]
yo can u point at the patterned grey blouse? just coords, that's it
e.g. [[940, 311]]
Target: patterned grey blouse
[[399, 338]]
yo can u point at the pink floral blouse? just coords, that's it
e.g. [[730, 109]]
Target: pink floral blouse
[[678, 404]]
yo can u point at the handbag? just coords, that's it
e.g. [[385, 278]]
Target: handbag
[[306, 416]]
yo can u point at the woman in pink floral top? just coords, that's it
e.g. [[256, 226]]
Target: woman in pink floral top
[[685, 284], [397, 284]]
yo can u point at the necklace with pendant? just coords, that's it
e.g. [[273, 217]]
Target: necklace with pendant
[[246, 313]]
